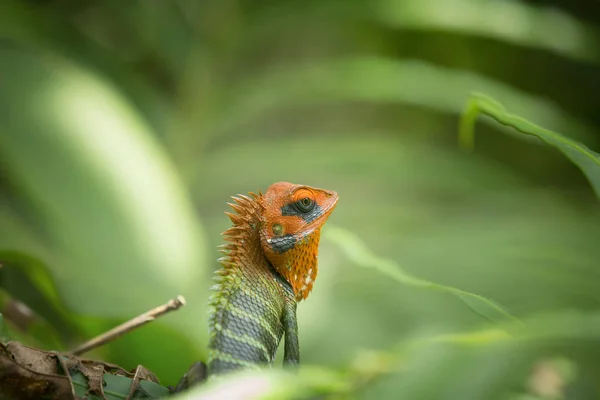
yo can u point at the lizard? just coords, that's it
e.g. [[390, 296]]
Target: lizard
[[269, 265]]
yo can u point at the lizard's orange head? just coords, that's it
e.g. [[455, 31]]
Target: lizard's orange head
[[290, 231]]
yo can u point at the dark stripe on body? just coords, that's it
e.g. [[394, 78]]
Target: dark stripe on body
[[293, 209], [241, 327], [283, 243], [240, 350], [251, 327], [257, 306]]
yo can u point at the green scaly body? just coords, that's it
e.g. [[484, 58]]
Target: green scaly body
[[270, 264], [253, 306], [252, 310]]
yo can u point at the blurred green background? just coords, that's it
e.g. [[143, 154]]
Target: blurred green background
[[126, 125]]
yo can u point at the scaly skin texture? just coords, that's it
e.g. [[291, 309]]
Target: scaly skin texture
[[270, 264]]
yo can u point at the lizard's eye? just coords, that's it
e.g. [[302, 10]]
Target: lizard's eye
[[304, 200], [306, 204]]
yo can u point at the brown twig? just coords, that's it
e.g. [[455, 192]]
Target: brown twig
[[128, 326]]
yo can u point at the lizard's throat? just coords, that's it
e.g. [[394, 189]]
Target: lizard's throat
[[298, 265]]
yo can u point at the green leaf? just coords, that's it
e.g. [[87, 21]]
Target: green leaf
[[104, 195], [531, 26], [587, 160], [28, 280], [378, 80], [117, 387], [358, 252]]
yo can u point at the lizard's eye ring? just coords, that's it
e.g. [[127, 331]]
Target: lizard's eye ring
[[304, 200], [306, 204]]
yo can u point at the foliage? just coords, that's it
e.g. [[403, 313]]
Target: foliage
[[356, 251], [126, 126], [587, 160]]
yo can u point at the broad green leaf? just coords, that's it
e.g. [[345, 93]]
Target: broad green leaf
[[510, 21], [358, 252], [587, 160], [378, 80], [107, 199]]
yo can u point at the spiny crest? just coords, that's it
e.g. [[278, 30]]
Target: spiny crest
[[246, 209], [247, 214]]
